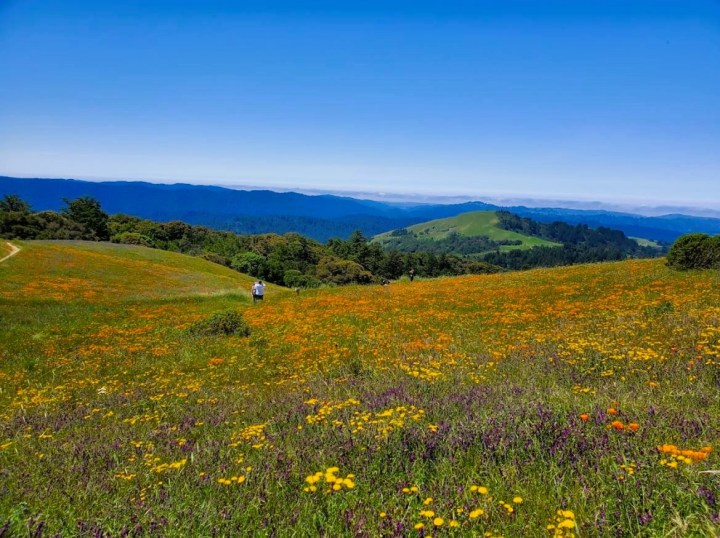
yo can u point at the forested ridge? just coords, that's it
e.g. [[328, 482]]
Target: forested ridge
[[289, 259], [580, 244], [294, 260]]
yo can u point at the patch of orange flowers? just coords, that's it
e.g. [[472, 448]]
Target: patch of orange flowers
[[694, 455], [620, 425]]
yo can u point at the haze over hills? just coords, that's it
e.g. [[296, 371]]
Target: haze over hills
[[317, 216]]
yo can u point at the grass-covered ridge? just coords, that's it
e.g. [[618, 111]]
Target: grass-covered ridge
[[472, 224], [450, 407], [87, 270], [475, 223]]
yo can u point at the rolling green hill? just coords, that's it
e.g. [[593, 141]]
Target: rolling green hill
[[87, 270], [473, 224], [484, 405]]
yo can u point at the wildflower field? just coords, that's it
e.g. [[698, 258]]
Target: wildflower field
[[577, 401]]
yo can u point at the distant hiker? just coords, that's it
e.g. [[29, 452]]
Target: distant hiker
[[411, 274], [258, 291]]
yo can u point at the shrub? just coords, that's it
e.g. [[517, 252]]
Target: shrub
[[295, 279], [221, 323], [216, 258], [132, 238], [695, 251], [338, 271]]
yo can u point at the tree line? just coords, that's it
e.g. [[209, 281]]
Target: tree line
[[289, 259], [404, 240], [580, 244]]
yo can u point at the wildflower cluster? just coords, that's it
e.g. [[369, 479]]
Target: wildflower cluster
[[332, 481], [384, 422], [686, 456], [327, 409], [163, 467], [619, 425], [238, 479], [253, 435], [563, 525]]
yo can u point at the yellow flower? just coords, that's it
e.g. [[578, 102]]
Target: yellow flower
[[482, 490], [476, 513], [454, 523], [517, 500], [419, 526], [438, 522], [428, 501]]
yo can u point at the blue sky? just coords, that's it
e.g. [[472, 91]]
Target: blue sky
[[580, 99]]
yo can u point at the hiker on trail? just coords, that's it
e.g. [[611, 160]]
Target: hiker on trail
[[411, 274], [258, 291]]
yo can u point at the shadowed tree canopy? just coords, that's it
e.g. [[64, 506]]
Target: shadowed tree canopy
[[12, 202], [87, 211]]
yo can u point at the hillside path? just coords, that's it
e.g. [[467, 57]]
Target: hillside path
[[13, 250]]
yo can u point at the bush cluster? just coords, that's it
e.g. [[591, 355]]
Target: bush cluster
[[221, 323], [695, 251]]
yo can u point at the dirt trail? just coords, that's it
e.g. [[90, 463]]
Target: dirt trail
[[13, 250]]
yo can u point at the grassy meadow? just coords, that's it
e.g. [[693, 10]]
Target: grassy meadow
[[578, 401]]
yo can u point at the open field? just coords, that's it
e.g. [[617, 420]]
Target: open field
[[583, 401], [475, 223], [646, 242]]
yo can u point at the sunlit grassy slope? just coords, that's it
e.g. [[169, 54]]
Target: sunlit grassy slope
[[582, 400], [474, 223], [81, 270]]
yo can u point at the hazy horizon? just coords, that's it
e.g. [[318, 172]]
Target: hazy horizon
[[643, 207]]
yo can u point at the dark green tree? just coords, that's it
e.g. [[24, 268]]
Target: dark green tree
[[13, 203], [249, 263], [695, 251], [87, 211]]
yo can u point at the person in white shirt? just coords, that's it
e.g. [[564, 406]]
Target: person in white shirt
[[258, 291]]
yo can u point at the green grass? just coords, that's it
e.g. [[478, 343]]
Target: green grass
[[475, 223], [4, 248], [116, 420], [74, 270], [646, 242]]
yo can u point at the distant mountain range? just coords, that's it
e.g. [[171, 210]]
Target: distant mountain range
[[320, 216]]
